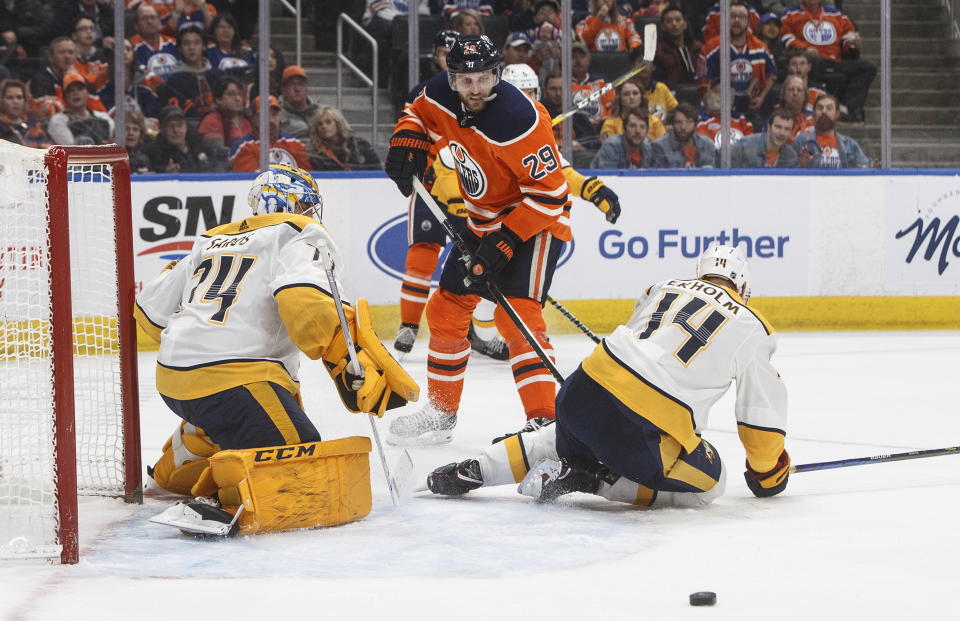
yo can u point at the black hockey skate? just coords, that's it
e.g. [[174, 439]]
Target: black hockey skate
[[406, 337], [455, 479], [495, 348], [532, 424], [550, 479]]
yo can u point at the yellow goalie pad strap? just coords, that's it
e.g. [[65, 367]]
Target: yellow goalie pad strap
[[185, 456], [294, 486], [397, 378]]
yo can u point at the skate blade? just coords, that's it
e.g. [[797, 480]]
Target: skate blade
[[434, 438]]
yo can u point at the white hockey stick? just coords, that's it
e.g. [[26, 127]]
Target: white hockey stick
[[649, 51], [327, 261]]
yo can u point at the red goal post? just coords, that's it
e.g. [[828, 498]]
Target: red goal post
[[69, 415]]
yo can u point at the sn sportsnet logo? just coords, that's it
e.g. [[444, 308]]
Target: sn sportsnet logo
[[472, 179], [819, 33]]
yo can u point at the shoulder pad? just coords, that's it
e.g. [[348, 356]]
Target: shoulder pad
[[509, 116]]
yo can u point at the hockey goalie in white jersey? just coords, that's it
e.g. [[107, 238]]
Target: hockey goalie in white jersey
[[629, 418], [232, 318]]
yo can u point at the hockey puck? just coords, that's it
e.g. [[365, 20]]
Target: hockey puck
[[703, 598]]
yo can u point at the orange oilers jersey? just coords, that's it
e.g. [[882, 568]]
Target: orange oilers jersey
[[616, 36], [598, 109], [827, 32], [507, 160]]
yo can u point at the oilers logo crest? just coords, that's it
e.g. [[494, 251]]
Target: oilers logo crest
[[161, 64], [281, 156], [741, 75], [592, 109], [819, 33], [472, 180], [608, 40], [735, 136]]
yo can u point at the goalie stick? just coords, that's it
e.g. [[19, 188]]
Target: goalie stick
[[877, 459], [327, 261], [649, 51], [494, 289]]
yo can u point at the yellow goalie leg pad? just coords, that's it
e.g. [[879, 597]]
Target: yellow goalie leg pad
[[294, 486], [185, 457]]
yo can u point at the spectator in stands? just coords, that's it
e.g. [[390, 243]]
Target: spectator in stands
[[793, 99], [245, 152], [711, 27], [66, 12], [77, 124], [172, 151], [677, 53], [631, 149], [651, 8], [13, 111], [467, 22], [545, 52], [768, 31], [606, 30], [136, 141], [825, 147], [378, 21], [584, 84], [659, 98], [334, 146], [141, 86], [752, 68], [629, 96], [190, 85], [24, 24], [799, 64], [297, 110], [183, 12], [46, 86], [451, 8], [91, 59], [833, 44], [154, 51], [584, 131], [683, 147], [528, 15], [226, 123], [710, 122], [516, 51], [226, 51], [767, 149]]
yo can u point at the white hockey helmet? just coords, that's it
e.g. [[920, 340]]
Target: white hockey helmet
[[726, 262], [285, 189], [523, 77]]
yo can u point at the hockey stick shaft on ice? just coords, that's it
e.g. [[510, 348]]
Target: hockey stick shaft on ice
[[573, 319], [877, 459], [649, 51], [494, 289], [327, 261]]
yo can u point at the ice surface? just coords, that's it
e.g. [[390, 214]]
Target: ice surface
[[876, 541]]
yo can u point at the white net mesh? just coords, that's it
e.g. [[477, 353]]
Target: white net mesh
[[28, 511]]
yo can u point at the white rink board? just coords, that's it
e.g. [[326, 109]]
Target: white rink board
[[806, 235]]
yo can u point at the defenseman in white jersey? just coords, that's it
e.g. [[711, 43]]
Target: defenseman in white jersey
[[629, 418], [232, 318]]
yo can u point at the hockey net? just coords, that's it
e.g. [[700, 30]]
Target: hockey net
[[68, 400]]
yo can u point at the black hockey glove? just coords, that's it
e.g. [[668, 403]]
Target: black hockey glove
[[407, 157], [604, 198], [493, 254], [765, 484]]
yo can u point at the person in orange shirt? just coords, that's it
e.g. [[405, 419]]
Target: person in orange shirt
[[825, 147], [605, 30], [584, 84], [245, 152], [516, 197], [793, 99]]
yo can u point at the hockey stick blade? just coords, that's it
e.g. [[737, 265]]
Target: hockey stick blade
[[402, 470], [649, 52]]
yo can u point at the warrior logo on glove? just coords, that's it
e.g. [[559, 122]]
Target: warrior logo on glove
[[472, 180]]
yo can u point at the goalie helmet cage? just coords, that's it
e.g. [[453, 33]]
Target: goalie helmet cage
[[69, 412]]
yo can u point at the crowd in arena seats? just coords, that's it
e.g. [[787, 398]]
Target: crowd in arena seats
[[191, 82], [191, 86]]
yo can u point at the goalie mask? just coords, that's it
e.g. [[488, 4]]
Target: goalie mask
[[726, 262], [285, 189], [523, 77]]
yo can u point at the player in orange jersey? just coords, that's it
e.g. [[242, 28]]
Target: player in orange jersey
[[517, 203]]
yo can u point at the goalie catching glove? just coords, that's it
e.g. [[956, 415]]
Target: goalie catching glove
[[407, 157], [384, 384], [772, 482], [604, 198]]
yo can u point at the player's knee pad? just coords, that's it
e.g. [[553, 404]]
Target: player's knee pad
[[693, 500], [422, 259], [185, 456], [509, 460], [531, 312], [449, 315], [294, 486]]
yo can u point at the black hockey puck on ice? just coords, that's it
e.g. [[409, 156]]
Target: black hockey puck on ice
[[703, 598]]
